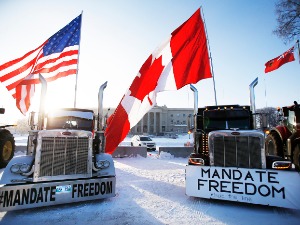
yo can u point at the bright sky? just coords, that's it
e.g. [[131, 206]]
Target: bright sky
[[118, 36]]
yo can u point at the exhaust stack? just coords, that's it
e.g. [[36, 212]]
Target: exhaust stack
[[195, 99], [42, 103], [252, 100], [196, 134], [100, 137], [100, 125]]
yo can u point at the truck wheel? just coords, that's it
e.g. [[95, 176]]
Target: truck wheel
[[273, 145], [296, 157], [7, 148]]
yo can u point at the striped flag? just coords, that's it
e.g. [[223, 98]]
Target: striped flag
[[57, 57], [183, 59]]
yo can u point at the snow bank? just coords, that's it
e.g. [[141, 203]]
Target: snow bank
[[152, 191]]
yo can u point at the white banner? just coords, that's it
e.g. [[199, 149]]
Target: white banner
[[255, 186]]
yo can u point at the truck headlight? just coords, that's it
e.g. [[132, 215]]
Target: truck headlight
[[24, 168], [102, 164], [281, 165], [15, 168], [20, 168], [196, 161]]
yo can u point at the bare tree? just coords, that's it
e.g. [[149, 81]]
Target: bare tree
[[268, 117], [22, 126], [288, 20]]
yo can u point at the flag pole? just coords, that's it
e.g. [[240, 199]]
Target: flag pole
[[298, 50], [75, 98], [212, 68]]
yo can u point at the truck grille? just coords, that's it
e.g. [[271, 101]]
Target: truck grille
[[64, 156], [236, 151]]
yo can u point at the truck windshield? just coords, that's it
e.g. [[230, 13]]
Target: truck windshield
[[71, 122], [70, 119], [217, 120], [213, 124]]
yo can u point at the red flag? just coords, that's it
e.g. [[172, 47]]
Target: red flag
[[277, 62], [183, 59], [56, 57]]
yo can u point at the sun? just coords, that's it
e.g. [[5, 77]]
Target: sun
[[59, 94]]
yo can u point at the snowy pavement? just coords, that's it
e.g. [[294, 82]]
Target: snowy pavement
[[152, 191]]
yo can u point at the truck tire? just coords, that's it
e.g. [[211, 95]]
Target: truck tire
[[273, 145], [7, 148], [296, 157]]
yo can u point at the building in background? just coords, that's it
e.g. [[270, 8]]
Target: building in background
[[161, 120]]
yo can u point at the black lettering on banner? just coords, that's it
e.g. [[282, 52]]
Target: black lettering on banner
[[260, 175], [102, 188], [74, 189], [97, 188], [40, 195], [272, 179], [28, 196], [86, 189], [205, 171], [46, 189], [32, 195], [223, 187], [52, 193], [1, 197], [80, 188], [236, 187], [235, 181], [213, 184], [200, 184], [248, 189], [91, 191], [215, 174], [228, 174], [17, 198], [8, 196], [25, 196], [281, 190], [260, 191], [237, 175], [109, 187], [249, 176]]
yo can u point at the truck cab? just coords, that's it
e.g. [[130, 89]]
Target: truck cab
[[224, 136], [64, 162]]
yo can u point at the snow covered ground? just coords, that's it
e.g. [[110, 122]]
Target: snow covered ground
[[152, 191]]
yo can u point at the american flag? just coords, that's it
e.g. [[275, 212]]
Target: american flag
[[57, 57]]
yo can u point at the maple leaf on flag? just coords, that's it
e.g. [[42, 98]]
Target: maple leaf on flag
[[147, 81]]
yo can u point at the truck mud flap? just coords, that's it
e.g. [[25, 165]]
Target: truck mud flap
[[256, 186], [24, 196]]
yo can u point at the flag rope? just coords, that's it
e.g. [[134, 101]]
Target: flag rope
[[210, 57], [76, 79], [298, 50]]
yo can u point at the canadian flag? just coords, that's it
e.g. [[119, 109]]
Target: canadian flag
[[183, 59]]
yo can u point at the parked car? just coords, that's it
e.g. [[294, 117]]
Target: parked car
[[142, 140]]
